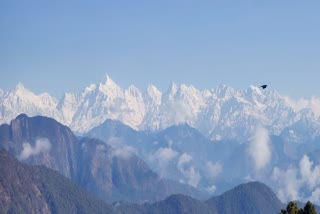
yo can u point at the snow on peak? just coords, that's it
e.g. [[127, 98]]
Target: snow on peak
[[153, 96], [255, 89], [20, 86], [133, 90], [222, 111], [302, 103], [20, 89], [153, 90], [173, 88], [88, 89], [186, 88], [223, 91], [108, 81], [21, 100], [110, 88]]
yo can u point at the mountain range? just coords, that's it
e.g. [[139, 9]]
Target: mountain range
[[219, 113], [211, 139], [252, 197], [182, 153], [110, 172], [37, 189]]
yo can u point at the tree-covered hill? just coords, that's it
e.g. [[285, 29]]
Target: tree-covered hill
[[36, 189]]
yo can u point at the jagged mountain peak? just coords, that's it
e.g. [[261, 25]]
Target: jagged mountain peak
[[24, 93], [89, 89], [153, 96], [20, 90], [223, 91], [108, 82], [172, 90], [20, 86], [132, 89], [152, 89], [110, 88], [215, 112]]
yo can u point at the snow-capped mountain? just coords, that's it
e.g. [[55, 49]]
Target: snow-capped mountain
[[21, 100], [219, 113]]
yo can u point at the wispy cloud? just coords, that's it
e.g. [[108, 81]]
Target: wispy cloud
[[212, 189], [190, 173], [315, 196], [193, 176], [214, 169], [288, 183], [120, 149], [180, 111], [310, 175], [162, 157], [302, 103], [299, 183], [259, 148], [183, 159], [42, 145]]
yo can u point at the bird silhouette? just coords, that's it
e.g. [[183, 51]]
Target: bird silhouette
[[263, 86]]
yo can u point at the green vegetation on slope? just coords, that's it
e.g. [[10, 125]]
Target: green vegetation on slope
[[36, 189], [292, 208]]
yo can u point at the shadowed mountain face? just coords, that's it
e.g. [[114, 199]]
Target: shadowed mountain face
[[36, 189], [41, 141], [182, 153], [253, 198], [113, 172]]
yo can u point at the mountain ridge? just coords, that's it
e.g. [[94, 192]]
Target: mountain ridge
[[260, 200], [218, 113], [109, 169], [37, 189]]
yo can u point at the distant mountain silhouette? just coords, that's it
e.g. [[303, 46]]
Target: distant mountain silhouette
[[253, 198]]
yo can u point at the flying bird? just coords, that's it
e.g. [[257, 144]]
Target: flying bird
[[263, 86]]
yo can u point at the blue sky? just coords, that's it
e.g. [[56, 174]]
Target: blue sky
[[61, 46]]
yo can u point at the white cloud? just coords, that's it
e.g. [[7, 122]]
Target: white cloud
[[162, 157], [180, 111], [190, 173], [120, 149], [248, 178], [193, 176], [288, 183], [124, 151], [300, 104], [294, 180], [309, 176], [42, 145], [214, 169], [183, 159], [297, 105], [212, 189], [315, 196], [259, 148]]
